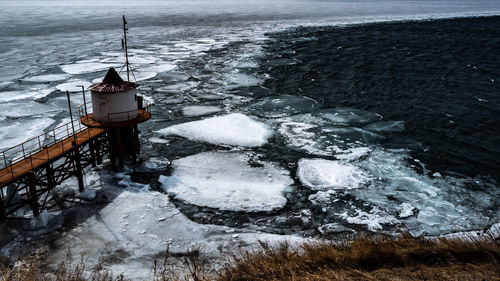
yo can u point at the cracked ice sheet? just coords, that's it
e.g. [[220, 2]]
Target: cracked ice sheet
[[135, 229], [232, 129], [226, 181]]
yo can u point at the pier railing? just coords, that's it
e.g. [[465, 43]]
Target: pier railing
[[25, 150], [85, 109]]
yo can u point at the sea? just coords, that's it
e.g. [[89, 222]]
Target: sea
[[311, 118]]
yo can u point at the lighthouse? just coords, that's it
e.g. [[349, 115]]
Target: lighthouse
[[117, 107]]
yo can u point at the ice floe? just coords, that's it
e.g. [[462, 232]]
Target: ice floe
[[232, 129], [374, 219], [348, 116], [179, 87], [32, 93], [16, 132], [86, 67], [47, 78], [227, 181], [279, 106], [73, 85], [200, 110], [321, 174], [16, 109]]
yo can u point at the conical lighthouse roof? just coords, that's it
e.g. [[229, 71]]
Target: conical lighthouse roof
[[112, 83]]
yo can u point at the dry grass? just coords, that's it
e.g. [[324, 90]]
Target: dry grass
[[374, 258], [404, 258]]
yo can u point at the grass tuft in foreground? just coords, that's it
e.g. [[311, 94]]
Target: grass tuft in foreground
[[372, 258]]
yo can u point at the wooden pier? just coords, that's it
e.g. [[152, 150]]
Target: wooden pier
[[32, 169]]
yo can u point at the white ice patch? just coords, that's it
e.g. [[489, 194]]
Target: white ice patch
[[32, 93], [348, 116], [16, 109], [14, 133], [374, 219], [87, 194], [233, 129], [226, 181], [280, 106], [200, 110], [73, 85], [321, 174], [86, 67], [47, 78], [143, 75], [406, 210]]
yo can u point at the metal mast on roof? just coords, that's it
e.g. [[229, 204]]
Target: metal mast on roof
[[124, 46]]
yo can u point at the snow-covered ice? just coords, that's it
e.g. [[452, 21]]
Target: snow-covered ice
[[322, 174], [32, 93], [374, 219], [226, 181], [232, 129]]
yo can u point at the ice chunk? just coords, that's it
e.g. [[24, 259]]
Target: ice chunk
[[226, 181], [386, 126], [15, 109], [73, 85], [47, 78], [280, 106], [143, 75], [374, 219], [348, 116], [321, 174], [406, 210], [233, 129], [86, 67], [200, 110]]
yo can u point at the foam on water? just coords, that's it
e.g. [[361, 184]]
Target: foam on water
[[321, 174], [226, 181], [232, 129]]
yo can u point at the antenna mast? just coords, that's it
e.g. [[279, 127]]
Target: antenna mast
[[124, 46]]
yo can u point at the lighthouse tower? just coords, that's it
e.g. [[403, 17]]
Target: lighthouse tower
[[117, 107]]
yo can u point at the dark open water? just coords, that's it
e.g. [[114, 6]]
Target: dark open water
[[441, 77]]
